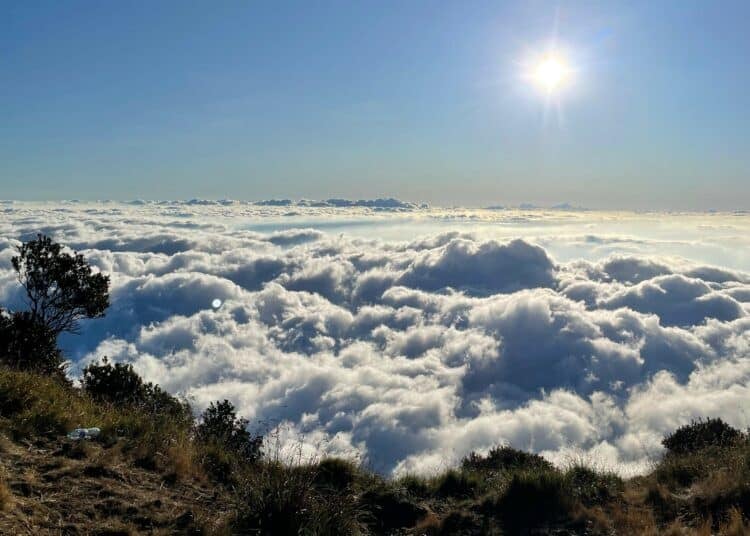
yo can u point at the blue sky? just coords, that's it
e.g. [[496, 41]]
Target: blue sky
[[417, 100]]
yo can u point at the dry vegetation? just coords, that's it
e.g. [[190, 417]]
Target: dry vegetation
[[150, 472]]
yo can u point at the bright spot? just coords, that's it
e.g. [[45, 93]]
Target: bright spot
[[551, 73], [216, 303]]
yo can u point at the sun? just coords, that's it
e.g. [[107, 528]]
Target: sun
[[551, 73]]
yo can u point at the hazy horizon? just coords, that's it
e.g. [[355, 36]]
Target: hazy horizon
[[304, 201]]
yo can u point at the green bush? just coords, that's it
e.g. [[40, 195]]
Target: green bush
[[116, 383], [220, 426], [504, 458], [388, 508], [682, 470], [534, 499], [119, 384], [335, 474], [455, 483], [592, 487], [700, 434]]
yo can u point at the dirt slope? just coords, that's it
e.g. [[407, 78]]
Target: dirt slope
[[67, 488]]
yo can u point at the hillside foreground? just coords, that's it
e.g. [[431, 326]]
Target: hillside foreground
[[145, 474]]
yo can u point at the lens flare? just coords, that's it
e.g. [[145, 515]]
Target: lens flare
[[551, 74], [551, 71]]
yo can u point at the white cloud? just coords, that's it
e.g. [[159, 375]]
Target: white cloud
[[480, 267], [678, 300], [414, 349]]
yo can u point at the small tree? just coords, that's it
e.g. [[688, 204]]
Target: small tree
[[220, 425], [61, 289]]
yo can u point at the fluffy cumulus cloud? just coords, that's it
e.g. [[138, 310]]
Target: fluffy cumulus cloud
[[410, 336]]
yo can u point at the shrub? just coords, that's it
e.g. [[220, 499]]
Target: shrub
[[27, 344], [592, 487], [335, 474], [504, 458], [116, 383], [389, 509], [220, 426], [119, 384], [700, 434], [153, 421], [534, 499], [415, 485], [454, 483], [682, 470]]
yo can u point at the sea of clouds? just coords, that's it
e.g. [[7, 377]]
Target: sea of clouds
[[409, 336]]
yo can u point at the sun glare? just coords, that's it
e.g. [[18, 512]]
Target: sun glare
[[551, 73]]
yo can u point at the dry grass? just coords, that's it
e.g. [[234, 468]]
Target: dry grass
[[38, 407], [101, 493], [181, 461], [735, 525], [630, 519], [291, 500], [6, 496], [149, 473]]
